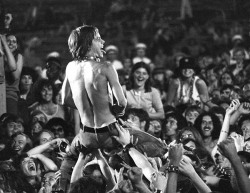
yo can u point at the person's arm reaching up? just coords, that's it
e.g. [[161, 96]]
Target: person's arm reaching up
[[226, 123], [175, 156], [243, 109], [187, 169], [135, 176], [228, 149], [81, 162]]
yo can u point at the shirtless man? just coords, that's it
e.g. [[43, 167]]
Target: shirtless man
[[87, 86]]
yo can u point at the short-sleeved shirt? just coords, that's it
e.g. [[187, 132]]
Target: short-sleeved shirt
[[148, 101]]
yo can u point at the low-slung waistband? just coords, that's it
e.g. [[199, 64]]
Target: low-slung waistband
[[97, 130]]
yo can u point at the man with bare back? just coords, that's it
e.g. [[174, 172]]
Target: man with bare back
[[89, 85]]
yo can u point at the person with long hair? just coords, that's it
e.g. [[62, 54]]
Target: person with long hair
[[140, 93], [186, 88]]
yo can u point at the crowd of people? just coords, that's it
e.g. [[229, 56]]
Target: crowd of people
[[172, 116]]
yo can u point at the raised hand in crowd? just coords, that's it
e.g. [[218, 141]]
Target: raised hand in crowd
[[243, 109], [187, 169], [175, 156], [228, 149], [135, 176], [49, 182]]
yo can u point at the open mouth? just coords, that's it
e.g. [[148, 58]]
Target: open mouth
[[32, 167]]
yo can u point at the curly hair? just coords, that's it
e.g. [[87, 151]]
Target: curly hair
[[181, 121], [55, 121], [80, 40], [44, 83], [216, 124]]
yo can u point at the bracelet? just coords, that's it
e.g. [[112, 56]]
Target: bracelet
[[224, 131], [128, 146], [172, 168]]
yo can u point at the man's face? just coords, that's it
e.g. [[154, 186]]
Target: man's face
[[191, 116], [39, 117], [207, 126], [14, 127], [171, 126], [58, 131], [36, 128], [28, 167], [53, 71], [45, 137], [135, 120], [49, 179], [97, 45], [226, 94], [246, 129], [19, 143], [26, 82], [226, 79], [140, 52], [187, 135]]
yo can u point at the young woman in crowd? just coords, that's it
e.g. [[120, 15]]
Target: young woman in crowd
[[45, 96], [140, 94]]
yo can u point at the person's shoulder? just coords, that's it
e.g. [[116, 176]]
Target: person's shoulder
[[200, 82], [174, 81]]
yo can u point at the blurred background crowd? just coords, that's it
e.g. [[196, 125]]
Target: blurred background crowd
[[184, 69]]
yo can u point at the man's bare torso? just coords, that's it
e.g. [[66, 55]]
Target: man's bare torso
[[89, 88]]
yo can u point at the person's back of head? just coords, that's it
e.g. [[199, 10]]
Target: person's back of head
[[87, 185]]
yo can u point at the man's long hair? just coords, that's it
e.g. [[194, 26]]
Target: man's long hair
[[80, 41]]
